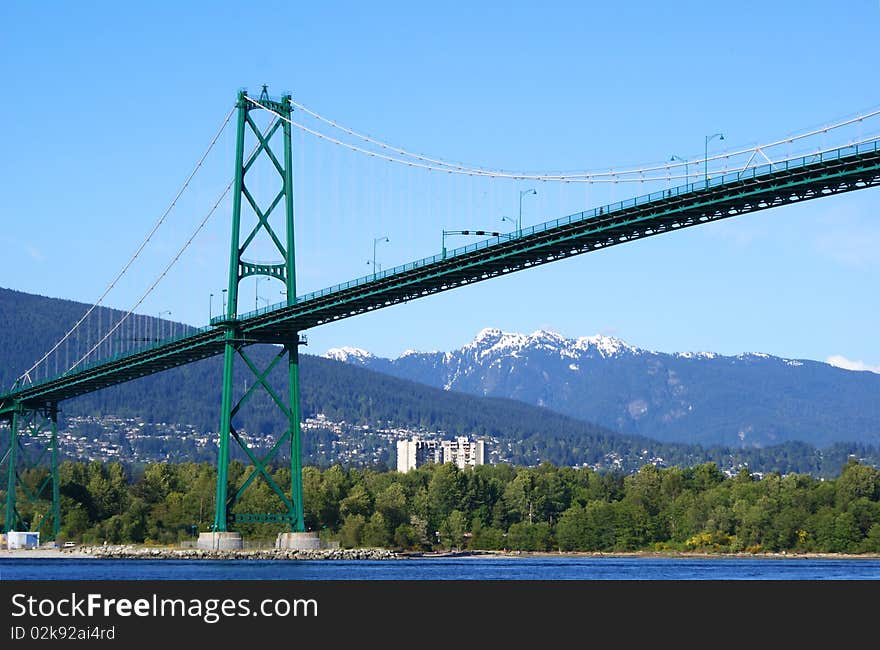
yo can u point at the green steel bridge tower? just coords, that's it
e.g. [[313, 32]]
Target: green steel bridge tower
[[33, 423], [235, 340]]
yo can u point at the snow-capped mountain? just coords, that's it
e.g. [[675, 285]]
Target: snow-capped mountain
[[350, 355], [752, 399]]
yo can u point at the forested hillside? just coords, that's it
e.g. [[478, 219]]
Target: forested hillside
[[191, 395]]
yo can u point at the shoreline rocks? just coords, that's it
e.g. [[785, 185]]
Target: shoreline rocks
[[131, 552]]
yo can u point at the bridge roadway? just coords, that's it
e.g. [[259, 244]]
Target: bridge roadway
[[760, 188]]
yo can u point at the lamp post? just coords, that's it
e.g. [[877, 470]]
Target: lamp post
[[522, 193], [223, 292], [211, 308], [687, 176], [709, 138], [376, 240], [161, 313], [257, 293]]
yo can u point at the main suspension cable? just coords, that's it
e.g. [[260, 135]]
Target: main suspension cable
[[612, 176]]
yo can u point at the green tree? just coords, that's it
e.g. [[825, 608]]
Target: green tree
[[521, 497], [375, 532], [706, 476], [453, 529], [391, 502], [445, 492], [352, 530], [486, 537], [871, 543], [572, 529], [334, 486], [857, 481], [358, 502], [311, 487], [523, 536], [846, 536], [75, 521], [406, 537]]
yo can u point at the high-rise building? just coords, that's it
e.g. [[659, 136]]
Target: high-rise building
[[416, 452], [462, 451]]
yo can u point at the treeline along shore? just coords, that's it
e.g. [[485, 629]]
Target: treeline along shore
[[492, 507]]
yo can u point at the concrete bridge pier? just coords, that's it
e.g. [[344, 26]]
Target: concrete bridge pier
[[219, 541], [297, 541]]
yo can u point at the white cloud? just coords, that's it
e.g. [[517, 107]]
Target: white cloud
[[847, 364]]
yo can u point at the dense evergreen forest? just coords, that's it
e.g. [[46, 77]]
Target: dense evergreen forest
[[491, 507]]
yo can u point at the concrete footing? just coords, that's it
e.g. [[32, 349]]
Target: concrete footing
[[226, 541], [297, 541]]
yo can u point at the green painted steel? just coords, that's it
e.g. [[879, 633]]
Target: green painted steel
[[295, 441], [53, 468], [233, 343], [25, 422], [229, 347], [262, 518], [11, 516], [294, 419]]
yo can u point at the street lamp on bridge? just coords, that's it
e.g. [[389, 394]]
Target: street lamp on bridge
[[257, 292], [376, 240], [687, 176], [161, 328], [522, 193], [709, 138]]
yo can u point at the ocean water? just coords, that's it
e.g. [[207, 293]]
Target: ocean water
[[447, 568]]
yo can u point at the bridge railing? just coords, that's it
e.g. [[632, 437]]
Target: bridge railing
[[596, 213], [121, 356]]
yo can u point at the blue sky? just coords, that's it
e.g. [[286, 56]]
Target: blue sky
[[108, 107]]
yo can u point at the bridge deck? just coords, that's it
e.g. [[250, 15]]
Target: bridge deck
[[760, 188]]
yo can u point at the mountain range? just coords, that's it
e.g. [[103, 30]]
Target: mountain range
[[748, 400], [376, 406]]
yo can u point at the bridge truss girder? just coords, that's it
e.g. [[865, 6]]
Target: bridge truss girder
[[574, 235]]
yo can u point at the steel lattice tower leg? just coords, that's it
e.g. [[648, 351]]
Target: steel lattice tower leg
[[32, 422], [237, 340], [10, 518]]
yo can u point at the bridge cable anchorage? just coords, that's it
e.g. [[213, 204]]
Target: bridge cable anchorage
[[174, 260], [26, 375], [575, 177]]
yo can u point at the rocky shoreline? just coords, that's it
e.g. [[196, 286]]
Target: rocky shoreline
[[131, 551], [127, 551]]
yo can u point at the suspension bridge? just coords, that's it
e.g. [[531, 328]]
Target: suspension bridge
[[750, 181]]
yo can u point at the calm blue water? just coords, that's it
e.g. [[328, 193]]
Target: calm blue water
[[462, 568]]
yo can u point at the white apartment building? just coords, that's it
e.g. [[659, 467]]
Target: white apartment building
[[462, 452]]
